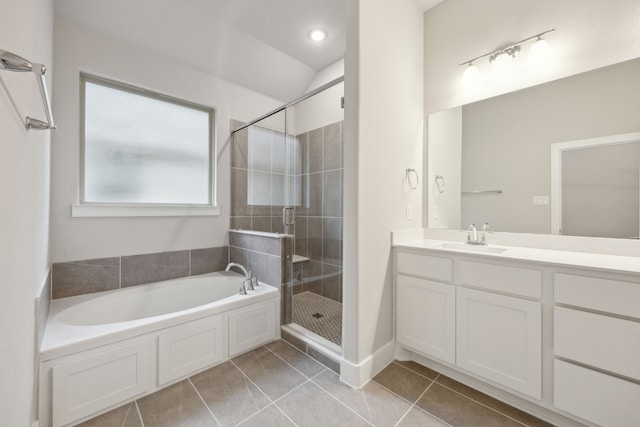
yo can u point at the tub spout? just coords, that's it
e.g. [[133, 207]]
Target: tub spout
[[240, 266]]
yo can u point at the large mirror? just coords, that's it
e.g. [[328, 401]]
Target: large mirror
[[491, 161]]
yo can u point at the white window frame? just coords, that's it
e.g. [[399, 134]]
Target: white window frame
[[84, 209]]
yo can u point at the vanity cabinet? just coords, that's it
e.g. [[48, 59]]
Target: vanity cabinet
[[554, 333], [499, 338], [427, 321], [482, 331], [597, 349]]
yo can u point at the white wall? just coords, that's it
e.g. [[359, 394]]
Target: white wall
[[320, 110], [85, 238], [589, 34], [26, 30], [383, 137], [324, 76], [444, 136]]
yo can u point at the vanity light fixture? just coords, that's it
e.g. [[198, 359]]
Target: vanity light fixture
[[500, 56], [471, 72], [539, 50], [317, 34]]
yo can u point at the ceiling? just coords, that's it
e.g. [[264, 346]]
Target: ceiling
[[258, 44]]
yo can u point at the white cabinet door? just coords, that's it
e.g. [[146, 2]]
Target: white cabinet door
[[499, 338], [188, 348], [251, 327], [426, 317], [97, 379]]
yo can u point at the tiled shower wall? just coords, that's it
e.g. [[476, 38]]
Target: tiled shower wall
[[268, 257], [95, 275], [319, 219], [313, 161]]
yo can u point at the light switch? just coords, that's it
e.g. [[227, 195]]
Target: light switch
[[409, 211], [541, 200]]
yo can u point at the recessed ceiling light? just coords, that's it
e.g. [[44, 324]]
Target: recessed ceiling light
[[317, 34]]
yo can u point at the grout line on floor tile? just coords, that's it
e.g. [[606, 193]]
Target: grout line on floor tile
[[322, 372], [341, 402], [416, 372], [256, 385], [403, 398], [306, 355], [423, 410], [289, 392], [203, 402], [264, 409], [135, 402], [486, 406]]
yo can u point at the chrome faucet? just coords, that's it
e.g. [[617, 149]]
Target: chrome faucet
[[249, 279], [240, 266], [472, 235]]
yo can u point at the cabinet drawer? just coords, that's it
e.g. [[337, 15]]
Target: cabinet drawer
[[426, 321], [251, 327], [513, 280], [596, 397], [612, 296], [188, 348], [600, 341], [430, 267], [100, 379]]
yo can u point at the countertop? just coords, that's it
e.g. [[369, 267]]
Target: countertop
[[613, 263]]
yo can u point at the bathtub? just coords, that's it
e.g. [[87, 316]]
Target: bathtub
[[104, 349]]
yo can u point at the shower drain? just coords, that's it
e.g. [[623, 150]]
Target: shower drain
[[317, 315]]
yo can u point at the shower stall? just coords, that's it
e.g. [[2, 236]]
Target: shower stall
[[286, 179]]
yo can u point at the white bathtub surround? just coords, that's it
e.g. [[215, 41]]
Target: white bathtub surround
[[144, 338], [535, 325]]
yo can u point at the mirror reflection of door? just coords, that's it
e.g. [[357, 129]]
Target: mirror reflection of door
[[601, 191]]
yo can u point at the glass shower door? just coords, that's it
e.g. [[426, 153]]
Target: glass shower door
[[261, 193], [314, 132]]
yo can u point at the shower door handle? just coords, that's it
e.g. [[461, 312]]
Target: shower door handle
[[288, 215]]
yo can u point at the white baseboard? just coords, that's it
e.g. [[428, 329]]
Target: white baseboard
[[357, 375]]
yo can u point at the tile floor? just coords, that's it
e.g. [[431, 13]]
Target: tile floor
[[319, 315], [277, 385]]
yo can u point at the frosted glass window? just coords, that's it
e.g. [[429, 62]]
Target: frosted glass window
[[145, 148]]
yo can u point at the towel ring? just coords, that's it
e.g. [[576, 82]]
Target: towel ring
[[412, 173], [440, 183]]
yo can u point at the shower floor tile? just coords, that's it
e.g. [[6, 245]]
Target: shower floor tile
[[320, 315], [267, 387]]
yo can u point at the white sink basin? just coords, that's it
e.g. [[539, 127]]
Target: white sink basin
[[472, 248]]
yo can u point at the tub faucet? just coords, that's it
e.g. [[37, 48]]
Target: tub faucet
[[250, 281], [240, 266]]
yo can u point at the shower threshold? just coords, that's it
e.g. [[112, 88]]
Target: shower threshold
[[314, 341]]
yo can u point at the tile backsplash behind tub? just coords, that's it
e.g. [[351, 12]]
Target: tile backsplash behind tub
[[103, 274]]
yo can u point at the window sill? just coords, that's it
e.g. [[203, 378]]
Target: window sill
[[99, 211]]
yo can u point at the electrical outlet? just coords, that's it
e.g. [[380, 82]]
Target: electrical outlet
[[541, 200]]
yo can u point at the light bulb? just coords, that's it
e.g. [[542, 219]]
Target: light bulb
[[317, 34], [539, 51], [471, 73], [501, 59]]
